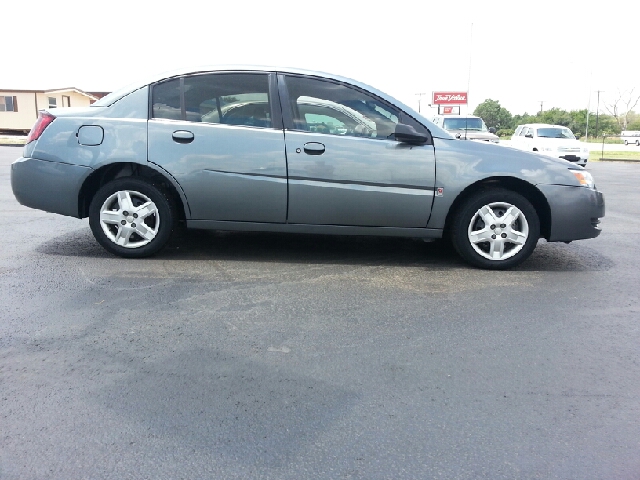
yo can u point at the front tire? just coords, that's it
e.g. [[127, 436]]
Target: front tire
[[495, 229], [131, 217]]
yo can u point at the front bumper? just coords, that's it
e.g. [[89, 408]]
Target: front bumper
[[575, 212], [49, 186], [573, 157]]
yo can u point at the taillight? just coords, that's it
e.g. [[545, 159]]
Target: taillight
[[44, 119]]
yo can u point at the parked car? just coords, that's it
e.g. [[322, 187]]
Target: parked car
[[630, 137], [285, 150], [466, 127], [553, 140]]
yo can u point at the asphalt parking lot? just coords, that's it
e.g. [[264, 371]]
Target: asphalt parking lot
[[288, 357]]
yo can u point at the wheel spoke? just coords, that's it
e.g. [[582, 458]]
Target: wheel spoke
[[110, 217], [145, 232], [123, 235], [487, 215], [124, 201], [497, 249], [511, 215], [516, 237], [483, 235], [146, 209]]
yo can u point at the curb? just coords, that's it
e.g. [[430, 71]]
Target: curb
[[627, 160], [12, 144]]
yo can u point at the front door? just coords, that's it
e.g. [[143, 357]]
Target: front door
[[345, 166]]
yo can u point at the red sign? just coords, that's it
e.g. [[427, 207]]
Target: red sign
[[449, 110], [449, 98]]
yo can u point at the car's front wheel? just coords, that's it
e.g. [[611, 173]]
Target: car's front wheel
[[495, 229], [132, 217]]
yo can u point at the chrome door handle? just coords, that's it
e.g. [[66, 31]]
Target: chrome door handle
[[313, 148], [183, 136]]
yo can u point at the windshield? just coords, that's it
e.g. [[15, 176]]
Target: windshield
[[555, 132], [461, 123]]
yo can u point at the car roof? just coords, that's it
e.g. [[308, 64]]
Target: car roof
[[456, 116], [118, 94], [541, 125]]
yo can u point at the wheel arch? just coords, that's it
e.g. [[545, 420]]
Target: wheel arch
[[517, 185], [107, 173]]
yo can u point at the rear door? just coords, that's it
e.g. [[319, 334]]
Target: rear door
[[220, 135], [345, 166]]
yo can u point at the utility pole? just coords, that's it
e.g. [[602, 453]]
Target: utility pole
[[586, 132], [541, 102], [420, 98], [598, 111]]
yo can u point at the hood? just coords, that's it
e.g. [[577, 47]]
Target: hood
[[474, 135]]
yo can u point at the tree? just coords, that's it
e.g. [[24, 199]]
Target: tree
[[634, 121], [622, 107], [494, 115], [555, 116]]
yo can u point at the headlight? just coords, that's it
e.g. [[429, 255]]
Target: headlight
[[584, 177]]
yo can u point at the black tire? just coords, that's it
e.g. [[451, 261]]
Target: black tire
[[467, 218], [141, 192]]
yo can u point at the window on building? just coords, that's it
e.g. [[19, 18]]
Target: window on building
[[8, 104], [53, 102]]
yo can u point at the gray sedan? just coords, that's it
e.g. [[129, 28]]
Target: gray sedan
[[284, 150]]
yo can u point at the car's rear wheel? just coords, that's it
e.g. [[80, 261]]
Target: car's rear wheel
[[495, 229], [132, 217]]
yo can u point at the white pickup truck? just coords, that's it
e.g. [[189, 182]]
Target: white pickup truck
[[630, 137], [552, 140], [466, 127]]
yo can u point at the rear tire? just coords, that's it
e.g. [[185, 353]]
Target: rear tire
[[132, 218], [495, 229]]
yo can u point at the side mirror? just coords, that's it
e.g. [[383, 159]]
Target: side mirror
[[577, 135], [529, 135], [407, 134], [492, 130]]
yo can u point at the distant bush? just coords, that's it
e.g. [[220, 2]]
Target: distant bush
[[505, 132]]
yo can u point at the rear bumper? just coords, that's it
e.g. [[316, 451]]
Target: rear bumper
[[49, 186], [575, 212]]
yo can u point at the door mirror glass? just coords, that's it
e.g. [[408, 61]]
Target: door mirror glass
[[407, 134]]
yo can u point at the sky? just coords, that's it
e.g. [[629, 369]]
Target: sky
[[519, 53]]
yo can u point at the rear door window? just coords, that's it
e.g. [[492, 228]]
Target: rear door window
[[222, 98]]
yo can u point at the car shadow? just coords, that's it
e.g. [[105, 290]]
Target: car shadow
[[328, 249]]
